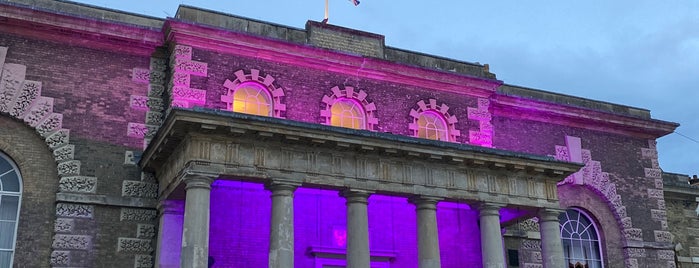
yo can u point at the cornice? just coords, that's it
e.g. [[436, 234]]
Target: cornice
[[306, 56], [529, 109], [79, 31]]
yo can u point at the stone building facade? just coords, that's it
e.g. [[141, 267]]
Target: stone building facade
[[131, 141]]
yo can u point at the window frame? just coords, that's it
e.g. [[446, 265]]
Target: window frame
[[261, 90], [355, 105], [3, 193], [592, 224]]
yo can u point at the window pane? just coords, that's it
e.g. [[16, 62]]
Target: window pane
[[253, 99], [5, 258], [579, 238], [4, 165], [10, 182], [7, 229], [8, 208], [431, 126], [347, 113]]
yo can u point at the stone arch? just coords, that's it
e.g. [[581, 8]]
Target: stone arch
[[22, 101], [38, 168], [267, 81], [441, 109], [349, 93], [586, 199]]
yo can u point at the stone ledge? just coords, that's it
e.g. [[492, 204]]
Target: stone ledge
[[106, 200]]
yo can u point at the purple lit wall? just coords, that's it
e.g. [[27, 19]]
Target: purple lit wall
[[240, 215]]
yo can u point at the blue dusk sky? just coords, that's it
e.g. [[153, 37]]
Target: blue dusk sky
[[638, 53]]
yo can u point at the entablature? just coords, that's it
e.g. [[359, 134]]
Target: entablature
[[225, 144]]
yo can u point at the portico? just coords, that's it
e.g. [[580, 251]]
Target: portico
[[195, 148]]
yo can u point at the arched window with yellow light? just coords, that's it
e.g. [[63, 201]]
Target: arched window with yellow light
[[433, 121], [251, 93], [347, 113], [349, 108]]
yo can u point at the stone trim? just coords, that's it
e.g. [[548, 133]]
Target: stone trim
[[349, 93], [443, 110], [275, 92], [484, 135], [592, 176], [21, 99]]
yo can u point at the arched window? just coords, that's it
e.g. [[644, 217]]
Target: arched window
[[252, 98], [10, 196], [431, 125], [581, 245], [347, 113]]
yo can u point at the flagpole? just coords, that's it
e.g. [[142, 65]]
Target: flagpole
[[325, 20]]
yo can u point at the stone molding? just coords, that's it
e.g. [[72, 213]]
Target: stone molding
[[484, 135]]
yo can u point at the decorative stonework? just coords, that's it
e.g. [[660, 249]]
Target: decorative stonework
[[635, 252], [136, 130], [74, 210], [79, 242], [60, 258], [267, 82], [139, 189], [138, 215], [484, 136], [22, 100], [63, 225], [533, 265], [530, 225], [531, 244], [349, 93], [78, 184], [152, 103], [592, 176], [442, 109], [143, 261], [654, 173], [146, 231], [134, 245]]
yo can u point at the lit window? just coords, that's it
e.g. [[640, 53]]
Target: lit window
[[431, 126], [347, 113], [10, 196], [581, 245], [251, 98]]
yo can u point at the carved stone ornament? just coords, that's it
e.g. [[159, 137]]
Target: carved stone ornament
[[63, 225], [139, 189], [138, 215], [134, 245], [80, 242], [143, 261], [78, 184], [74, 210], [60, 257]]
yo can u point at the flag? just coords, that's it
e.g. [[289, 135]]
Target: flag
[[355, 2]]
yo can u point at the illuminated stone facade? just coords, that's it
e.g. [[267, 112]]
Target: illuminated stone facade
[[123, 130]]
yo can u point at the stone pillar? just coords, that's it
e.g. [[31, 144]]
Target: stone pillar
[[357, 228], [167, 254], [281, 237], [551, 246], [427, 235], [195, 233], [491, 236]]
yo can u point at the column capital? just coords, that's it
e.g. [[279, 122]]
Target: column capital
[[425, 202], [488, 209], [282, 187], [197, 181], [356, 196], [171, 206], [549, 214]]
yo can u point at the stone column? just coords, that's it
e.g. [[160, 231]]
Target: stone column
[[195, 233], [167, 254], [551, 246], [491, 236], [281, 237], [357, 228], [427, 235]]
